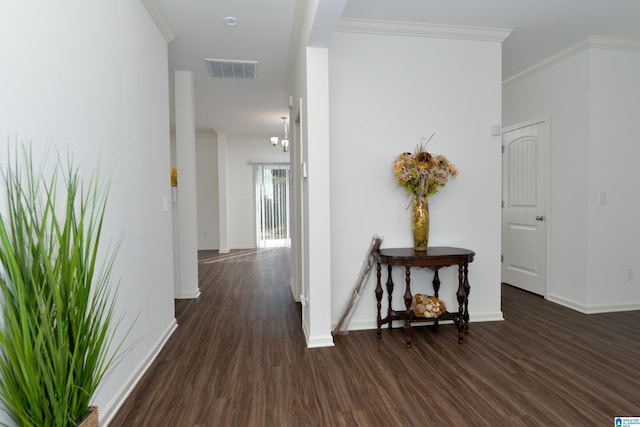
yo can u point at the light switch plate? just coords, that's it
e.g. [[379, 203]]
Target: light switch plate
[[603, 197]]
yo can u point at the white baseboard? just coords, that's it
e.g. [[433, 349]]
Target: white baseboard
[[237, 247], [365, 325], [187, 295], [360, 325], [593, 309], [305, 331], [320, 341], [109, 411], [486, 317], [208, 248]]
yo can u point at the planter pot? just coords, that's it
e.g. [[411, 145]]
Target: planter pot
[[92, 418]]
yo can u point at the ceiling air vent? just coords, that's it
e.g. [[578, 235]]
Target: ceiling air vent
[[231, 68]]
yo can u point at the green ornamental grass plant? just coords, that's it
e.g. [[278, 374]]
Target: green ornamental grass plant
[[57, 308]]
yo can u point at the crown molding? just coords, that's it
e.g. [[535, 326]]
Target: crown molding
[[590, 42], [157, 14], [613, 43], [416, 29]]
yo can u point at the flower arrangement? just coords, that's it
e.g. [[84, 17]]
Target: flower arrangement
[[423, 173]]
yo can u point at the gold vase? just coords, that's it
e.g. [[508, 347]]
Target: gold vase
[[420, 222]]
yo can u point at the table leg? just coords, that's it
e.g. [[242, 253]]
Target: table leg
[[379, 300], [467, 289], [461, 295], [407, 303], [436, 289], [389, 295]]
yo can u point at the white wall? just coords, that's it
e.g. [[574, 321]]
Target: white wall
[[614, 148], [591, 97], [299, 152], [185, 194], [207, 191], [317, 200], [386, 92], [310, 217], [242, 150], [92, 78], [562, 92]]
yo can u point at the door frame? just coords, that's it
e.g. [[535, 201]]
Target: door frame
[[546, 131], [297, 208]]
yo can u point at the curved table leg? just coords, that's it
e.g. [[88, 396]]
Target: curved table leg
[[407, 303], [467, 289], [379, 301]]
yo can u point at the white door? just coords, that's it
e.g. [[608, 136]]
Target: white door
[[525, 192]]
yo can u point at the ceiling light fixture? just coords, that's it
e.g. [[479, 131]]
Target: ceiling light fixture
[[283, 143], [231, 21]]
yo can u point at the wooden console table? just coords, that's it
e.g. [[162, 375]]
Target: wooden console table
[[434, 259]]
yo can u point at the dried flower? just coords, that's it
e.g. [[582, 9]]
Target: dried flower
[[422, 172]]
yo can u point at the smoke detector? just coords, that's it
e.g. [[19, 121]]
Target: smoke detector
[[231, 21], [227, 68]]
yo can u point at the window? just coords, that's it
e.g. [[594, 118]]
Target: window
[[272, 205]]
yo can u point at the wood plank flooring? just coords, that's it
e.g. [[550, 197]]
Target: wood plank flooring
[[238, 359]]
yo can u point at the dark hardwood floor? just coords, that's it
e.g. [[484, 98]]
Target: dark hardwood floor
[[238, 358]]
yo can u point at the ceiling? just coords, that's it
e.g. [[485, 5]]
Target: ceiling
[[264, 33]]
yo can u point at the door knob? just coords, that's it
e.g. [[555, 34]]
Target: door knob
[[539, 218]]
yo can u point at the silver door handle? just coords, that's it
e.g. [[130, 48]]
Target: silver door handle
[[540, 218]]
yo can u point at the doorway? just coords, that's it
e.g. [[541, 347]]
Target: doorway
[[272, 205], [525, 198]]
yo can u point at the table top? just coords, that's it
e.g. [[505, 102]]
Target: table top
[[433, 255]]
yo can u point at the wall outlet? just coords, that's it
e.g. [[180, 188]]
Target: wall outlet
[[629, 274]]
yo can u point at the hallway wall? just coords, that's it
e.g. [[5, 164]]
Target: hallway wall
[[90, 79]]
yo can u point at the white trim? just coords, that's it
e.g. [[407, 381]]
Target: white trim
[[320, 341], [111, 409], [305, 331], [416, 29], [158, 16], [525, 124], [593, 309], [296, 298], [269, 162], [188, 295], [367, 325], [208, 248], [359, 325], [317, 342], [237, 247], [595, 42], [486, 317], [613, 43]]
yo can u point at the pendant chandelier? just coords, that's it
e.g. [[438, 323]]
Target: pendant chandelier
[[283, 143]]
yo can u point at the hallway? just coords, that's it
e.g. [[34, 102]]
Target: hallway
[[238, 359]]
